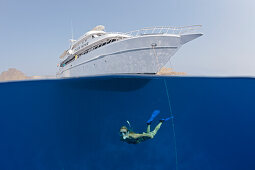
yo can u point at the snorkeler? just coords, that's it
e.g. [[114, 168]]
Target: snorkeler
[[131, 137]]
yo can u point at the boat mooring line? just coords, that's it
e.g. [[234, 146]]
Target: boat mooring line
[[173, 126]]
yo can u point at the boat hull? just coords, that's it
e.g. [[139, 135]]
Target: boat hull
[[145, 54]]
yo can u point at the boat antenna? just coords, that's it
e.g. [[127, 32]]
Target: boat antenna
[[72, 40], [72, 28]]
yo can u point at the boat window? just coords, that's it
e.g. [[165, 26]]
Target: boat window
[[93, 48]]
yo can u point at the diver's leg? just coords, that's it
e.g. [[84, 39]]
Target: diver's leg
[[154, 132], [148, 128]]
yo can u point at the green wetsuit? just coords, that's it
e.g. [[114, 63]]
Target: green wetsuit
[[131, 139]]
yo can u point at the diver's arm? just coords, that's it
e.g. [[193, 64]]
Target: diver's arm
[[121, 139]]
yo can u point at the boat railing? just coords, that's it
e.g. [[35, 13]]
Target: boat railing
[[165, 30]]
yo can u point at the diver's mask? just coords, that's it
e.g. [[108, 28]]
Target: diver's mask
[[124, 134]]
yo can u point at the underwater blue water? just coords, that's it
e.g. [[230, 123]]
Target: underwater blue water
[[74, 123]]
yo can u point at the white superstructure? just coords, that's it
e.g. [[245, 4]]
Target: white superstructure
[[142, 51]]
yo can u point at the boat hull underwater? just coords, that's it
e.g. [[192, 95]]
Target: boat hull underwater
[[74, 123]]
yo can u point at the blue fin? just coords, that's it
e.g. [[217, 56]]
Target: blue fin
[[166, 119], [153, 115]]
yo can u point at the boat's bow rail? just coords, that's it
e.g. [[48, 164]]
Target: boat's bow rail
[[165, 30]]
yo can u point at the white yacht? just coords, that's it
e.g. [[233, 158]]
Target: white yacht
[[143, 51]]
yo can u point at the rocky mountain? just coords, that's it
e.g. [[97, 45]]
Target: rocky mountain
[[169, 71], [13, 74]]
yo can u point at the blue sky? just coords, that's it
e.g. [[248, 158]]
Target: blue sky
[[34, 33]]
